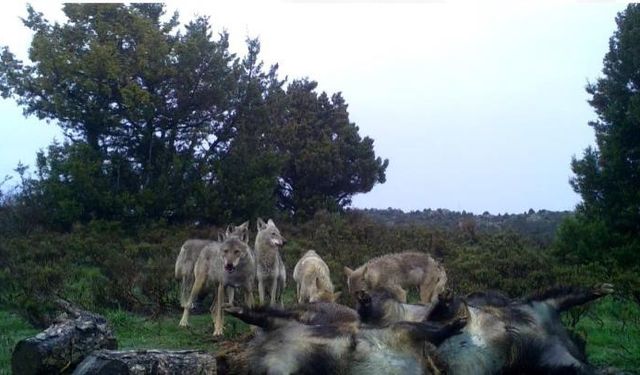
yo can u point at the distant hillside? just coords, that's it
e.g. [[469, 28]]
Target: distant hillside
[[539, 226]]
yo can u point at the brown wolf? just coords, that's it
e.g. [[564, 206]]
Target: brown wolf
[[227, 264], [514, 336], [395, 271], [288, 346], [270, 271], [189, 252], [313, 282]]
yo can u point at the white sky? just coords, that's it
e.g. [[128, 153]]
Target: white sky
[[477, 106]]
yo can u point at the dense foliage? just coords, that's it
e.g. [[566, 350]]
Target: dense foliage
[[166, 122], [606, 227], [608, 176]]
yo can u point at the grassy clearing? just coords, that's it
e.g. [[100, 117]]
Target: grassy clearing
[[612, 331], [12, 329]]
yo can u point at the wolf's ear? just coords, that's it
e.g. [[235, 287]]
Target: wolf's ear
[[336, 296], [221, 237], [261, 224], [270, 222], [348, 271], [243, 226], [245, 237], [229, 230]]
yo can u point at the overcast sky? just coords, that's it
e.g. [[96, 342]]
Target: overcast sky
[[478, 107]]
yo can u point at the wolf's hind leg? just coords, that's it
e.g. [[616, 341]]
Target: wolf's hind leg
[[195, 291], [398, 293], [565, 298], [274, 291]]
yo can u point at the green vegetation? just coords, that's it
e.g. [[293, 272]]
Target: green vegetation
[[606, 227], [13, 328], [612, 332], [168, 124]]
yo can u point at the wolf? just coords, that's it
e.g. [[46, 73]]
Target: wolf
[[271, 272], [398, 270], [380, 308], [288, 346], [189, 252], [227, 264], [313, 282], [522, 336]]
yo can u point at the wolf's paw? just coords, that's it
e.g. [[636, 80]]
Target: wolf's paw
[[183, 323], [603, 289], [217, 333], [233, 310], [458, 324]]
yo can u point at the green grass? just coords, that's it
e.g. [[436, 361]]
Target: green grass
[[612, 331], [12, 329], [136, 332]]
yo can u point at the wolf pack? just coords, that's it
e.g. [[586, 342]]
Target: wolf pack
[[480, 333]]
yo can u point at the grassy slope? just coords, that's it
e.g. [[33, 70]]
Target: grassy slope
[[612, 330], [12, 329]]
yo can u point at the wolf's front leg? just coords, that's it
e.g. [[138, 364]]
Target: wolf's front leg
[[248, 295], [218, 322], [261, 290], [274, 291], [231, 293]]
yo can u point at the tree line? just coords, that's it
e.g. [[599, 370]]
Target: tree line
[[165, 122]]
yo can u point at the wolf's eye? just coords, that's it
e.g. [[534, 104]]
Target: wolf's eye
[[237, 252]]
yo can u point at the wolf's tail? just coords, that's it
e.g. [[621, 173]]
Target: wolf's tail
[[180, 266], [185, 288]]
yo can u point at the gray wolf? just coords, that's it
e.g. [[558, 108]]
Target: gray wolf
[[271, 272], [380, 308], [189, 252], [522, 336], [227, 264], [313, 282], [288, 346], [395, 271]]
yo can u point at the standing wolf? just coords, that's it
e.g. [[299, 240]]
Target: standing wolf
[[228, 264], [311, 275], [188, 256], [395, 271], [270, 272]]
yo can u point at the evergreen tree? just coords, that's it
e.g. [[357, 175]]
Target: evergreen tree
[[608, 175], [326, 161]]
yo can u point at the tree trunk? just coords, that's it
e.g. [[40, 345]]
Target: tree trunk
[[64, 344], [148, 362]]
